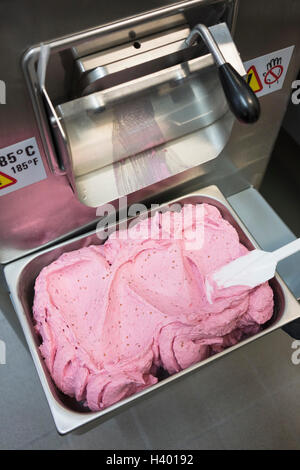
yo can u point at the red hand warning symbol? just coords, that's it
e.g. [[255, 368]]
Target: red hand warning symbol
[[6, 180], [274, 71], [273, 74]]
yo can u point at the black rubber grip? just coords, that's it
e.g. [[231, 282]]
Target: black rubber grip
[[241, 99]]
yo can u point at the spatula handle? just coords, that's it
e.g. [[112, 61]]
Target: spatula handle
[[287, 250]]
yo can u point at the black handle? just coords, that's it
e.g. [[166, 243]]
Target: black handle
[[241, 99]]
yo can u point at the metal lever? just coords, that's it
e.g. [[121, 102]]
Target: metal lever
[[241, 99]]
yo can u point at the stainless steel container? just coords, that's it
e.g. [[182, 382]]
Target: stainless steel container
[[21, 275]]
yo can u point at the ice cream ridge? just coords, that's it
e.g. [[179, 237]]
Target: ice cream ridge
[[112, 316]]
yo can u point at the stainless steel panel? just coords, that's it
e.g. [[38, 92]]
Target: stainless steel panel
[[21, 275], [127, 55], [109, 126], [131, 120], [137, 174], [169, 46]]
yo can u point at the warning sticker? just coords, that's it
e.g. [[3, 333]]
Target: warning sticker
[[266, 74], [20, 165], [6, 180], [253, 79]]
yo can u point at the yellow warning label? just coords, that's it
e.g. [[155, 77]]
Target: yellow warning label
[[6, 180], [253, 79]]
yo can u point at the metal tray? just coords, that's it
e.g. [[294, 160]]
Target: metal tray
[[20, 275]]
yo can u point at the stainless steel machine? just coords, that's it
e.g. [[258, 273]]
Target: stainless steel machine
[[140, 100]]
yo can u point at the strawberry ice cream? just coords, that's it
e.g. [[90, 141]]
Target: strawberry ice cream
[[112, 316]]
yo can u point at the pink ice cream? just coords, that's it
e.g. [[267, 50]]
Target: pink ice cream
[[111, 316]]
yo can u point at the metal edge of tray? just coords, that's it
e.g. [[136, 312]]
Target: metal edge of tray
[[67, 420]]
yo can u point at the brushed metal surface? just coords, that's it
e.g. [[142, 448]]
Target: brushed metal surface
[[138, 173], [114, 124], [119, 122], [167, 46], [21, 275], [125, 56], [39, 214]]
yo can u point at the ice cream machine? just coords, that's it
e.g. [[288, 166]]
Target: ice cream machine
[[135, 107]]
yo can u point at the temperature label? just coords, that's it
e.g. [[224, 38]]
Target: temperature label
[[20, 165]]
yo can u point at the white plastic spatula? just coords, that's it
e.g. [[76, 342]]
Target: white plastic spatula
[[250, 270]]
